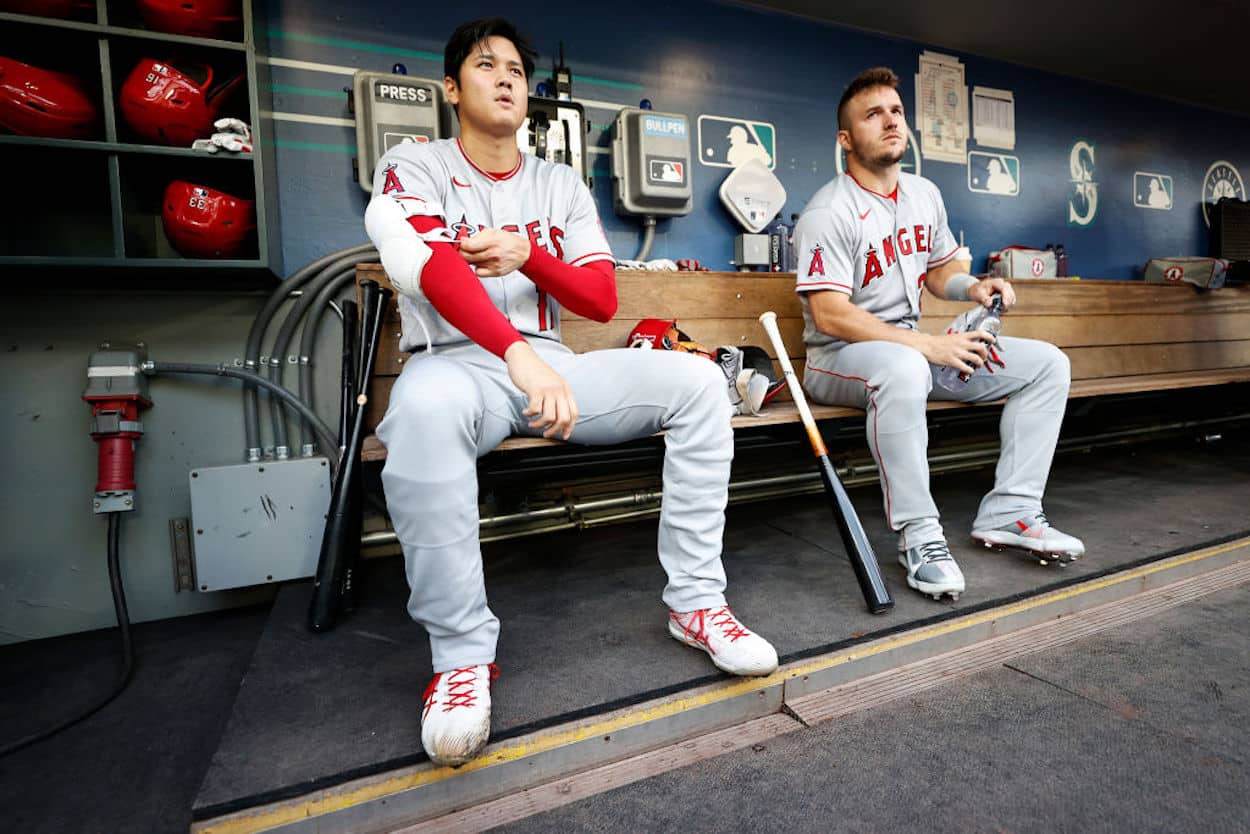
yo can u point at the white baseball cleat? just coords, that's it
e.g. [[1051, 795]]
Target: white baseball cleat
[[731, 647], [931, 570], [1035, 534], [455, 723]]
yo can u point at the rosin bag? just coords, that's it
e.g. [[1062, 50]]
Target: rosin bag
[[1022, 262], [1203, 273]]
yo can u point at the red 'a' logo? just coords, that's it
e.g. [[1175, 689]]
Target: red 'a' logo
[[872, 267], [392, 181], [818, 263]]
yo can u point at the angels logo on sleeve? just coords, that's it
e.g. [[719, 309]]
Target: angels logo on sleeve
[[817, 266], [392, 180]]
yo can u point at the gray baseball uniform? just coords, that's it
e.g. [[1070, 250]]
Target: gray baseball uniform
[[454, 401], [878, 249]]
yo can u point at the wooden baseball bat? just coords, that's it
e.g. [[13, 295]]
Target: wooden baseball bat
[[863, 560]]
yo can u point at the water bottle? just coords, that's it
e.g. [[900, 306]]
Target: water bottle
[[986, 319]]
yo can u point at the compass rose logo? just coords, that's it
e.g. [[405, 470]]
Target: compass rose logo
[[1222, 180]]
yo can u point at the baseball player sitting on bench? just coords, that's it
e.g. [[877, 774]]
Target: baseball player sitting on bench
[[484, 245], [865, 245]]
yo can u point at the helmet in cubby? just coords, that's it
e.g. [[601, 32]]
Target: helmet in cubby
[[203, 222], [165, 104], [42, 102], [202, 18], [48, 8]]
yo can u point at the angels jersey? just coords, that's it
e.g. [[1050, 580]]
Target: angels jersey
[[547, 203], [876, 248]]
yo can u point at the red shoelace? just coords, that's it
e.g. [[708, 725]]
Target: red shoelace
[[721, 618], [460, 687]]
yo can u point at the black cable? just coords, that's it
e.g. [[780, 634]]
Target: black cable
[[128, 659], [329, 444]]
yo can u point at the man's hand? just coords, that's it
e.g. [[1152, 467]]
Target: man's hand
[[965, 351], [982, 291], [551, 402], [493, 252]]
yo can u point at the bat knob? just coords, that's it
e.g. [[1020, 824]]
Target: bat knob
[[767, 316]]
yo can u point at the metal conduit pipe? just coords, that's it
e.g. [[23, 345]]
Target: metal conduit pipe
[[645, 502], [313, 293], [308, 338], [251, 352]]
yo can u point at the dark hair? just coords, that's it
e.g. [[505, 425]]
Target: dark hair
[[468, 35], [866, 80]]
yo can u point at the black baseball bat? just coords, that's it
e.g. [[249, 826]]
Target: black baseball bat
[[340, 544], [854, 539]]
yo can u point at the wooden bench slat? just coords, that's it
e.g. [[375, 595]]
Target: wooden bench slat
[[1122, 337], [786, 412], [1133, 360]]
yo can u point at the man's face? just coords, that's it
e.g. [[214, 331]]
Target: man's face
[[877, 131], [491, 94]]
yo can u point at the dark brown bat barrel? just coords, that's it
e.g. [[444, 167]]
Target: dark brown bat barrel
[[854, 539]]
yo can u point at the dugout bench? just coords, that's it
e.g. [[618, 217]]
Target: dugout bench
[[1121, 336]]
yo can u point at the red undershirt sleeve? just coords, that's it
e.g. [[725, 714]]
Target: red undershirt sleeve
[[589, 291], [457, 293]]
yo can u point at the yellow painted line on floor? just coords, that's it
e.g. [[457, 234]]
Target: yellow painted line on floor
[[910, 637], [335, 799]]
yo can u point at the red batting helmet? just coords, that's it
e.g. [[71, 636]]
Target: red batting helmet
[[166, 105], [205, 18], [664, 334], [40, 102], [46, 8], [655, 333], [203, 222]]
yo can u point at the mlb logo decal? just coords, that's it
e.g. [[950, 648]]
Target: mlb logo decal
[[666, 171]]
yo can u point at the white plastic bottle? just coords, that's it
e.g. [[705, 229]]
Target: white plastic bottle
[[987, 320]]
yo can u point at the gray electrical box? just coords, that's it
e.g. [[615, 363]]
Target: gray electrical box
[[390, 110], [255, 523], [555, 131], [651, 163]]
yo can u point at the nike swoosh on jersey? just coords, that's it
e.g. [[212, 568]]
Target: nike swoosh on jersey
[[865, 214], [456, 181]]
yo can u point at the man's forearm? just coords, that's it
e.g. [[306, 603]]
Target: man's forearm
[[851, 324]]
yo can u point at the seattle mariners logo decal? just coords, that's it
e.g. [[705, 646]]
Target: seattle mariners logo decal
[[1222, 180], [818, 262], [1083, 202], [392, 181]]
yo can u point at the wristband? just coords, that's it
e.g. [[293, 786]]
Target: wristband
[[957, 287]]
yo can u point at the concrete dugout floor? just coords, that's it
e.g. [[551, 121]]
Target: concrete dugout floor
[[1142, 728], [237, 707]]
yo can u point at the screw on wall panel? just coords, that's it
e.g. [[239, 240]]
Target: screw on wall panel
[[195, 474]]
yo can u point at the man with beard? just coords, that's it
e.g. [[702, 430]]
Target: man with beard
[[866, 245]]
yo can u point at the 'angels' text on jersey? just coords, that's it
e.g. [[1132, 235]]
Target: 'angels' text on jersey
[[876, 248], [547, 203]]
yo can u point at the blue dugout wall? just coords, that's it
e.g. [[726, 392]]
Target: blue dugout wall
[[707, 59]]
